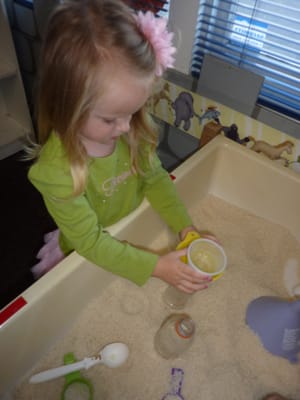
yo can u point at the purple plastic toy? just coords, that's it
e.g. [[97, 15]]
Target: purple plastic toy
[[277, 323], [176, 385]]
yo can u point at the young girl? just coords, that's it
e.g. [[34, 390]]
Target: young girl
[[96, 155]]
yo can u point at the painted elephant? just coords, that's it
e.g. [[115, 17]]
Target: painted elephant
[[184, 110]]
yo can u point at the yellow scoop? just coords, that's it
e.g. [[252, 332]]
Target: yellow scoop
[[190, 237]]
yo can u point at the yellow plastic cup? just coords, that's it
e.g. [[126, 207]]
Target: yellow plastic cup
[[207, 257]]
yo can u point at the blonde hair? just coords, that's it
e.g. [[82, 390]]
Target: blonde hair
[[81, 37]]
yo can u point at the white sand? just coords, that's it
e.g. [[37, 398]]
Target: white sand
[[226, 360]]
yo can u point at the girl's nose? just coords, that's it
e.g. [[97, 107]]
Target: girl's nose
[[124, 124]]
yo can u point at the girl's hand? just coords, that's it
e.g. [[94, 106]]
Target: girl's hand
[[172, 270], [203, 235], [185, 231]]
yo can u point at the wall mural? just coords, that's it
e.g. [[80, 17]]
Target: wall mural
[[204, 119]]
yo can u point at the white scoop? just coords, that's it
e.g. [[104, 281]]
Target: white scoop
[[113, 355]]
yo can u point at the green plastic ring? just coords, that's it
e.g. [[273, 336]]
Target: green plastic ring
[[75, 377]]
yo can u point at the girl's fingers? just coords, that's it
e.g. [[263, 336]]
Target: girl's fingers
[[212, 237], [192, 276], [181, 252], [189, 287]]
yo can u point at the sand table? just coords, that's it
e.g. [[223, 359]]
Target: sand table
[[226, 360]]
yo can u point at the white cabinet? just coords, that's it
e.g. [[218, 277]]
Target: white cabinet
[[15, 119]]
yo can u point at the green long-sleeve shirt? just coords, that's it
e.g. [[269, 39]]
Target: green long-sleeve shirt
[[111, 193]]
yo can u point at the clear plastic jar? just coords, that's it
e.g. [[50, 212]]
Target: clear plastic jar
[[174, 336], [175, 298]]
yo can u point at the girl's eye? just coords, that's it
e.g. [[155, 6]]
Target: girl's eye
[[108, 121]]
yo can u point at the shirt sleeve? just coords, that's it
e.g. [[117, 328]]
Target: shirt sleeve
[[164, 198], [81, 230]]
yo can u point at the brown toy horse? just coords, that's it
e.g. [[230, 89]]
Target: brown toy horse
[[274, 152]]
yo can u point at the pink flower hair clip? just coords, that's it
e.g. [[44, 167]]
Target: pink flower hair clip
[[155, 30]]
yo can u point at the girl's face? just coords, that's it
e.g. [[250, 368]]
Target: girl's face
[[111, 116]]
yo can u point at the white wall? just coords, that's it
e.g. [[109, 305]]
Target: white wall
[[182, 20]]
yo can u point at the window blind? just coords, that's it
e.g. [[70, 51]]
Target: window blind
[[259, 35]]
